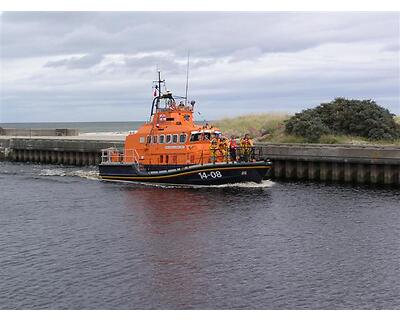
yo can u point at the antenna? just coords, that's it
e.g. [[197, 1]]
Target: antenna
[[157, 98], [187, 78], [159, 83]]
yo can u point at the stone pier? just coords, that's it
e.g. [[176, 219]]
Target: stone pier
[[340, 163], [78, 152]]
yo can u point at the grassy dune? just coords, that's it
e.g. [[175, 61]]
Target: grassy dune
[[269, 127], [257, 125]]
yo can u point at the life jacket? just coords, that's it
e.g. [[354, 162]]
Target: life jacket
[[214, 144], [223, 144], [232, 144], [247, 143]]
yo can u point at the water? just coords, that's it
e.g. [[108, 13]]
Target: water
[[70, 241], [84, 127]]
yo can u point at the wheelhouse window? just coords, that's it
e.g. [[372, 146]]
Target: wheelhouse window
[[207, 136], [162, 138], [148, 139], [175, 138], [168, 138], [195, 137], [142, 140], [182, 138], [155, 139]]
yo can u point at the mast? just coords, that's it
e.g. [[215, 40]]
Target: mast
[[157, 99], [159, 83], [187, 79]]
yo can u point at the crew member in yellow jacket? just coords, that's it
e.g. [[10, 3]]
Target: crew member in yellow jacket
[[223, 149], [246, 146], [213, 149]]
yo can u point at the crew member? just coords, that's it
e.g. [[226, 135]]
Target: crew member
[[232, 148], [223, 148], [246, 146], [213, 149]]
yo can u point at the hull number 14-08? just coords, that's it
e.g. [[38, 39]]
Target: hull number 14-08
[[212, 174]]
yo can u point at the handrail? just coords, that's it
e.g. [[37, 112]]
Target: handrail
[[113, 155], [131, 156]]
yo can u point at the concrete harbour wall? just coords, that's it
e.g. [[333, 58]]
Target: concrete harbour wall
[[55, 151], [341, 163]]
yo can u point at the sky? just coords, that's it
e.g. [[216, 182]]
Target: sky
[[99, 66]]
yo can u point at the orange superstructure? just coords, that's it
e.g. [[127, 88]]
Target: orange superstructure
[[171, 137]]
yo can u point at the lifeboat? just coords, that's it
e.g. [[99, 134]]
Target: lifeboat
[[171, 148]]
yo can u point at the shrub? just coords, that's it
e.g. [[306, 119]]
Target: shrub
[[362, 118], [311, 128]]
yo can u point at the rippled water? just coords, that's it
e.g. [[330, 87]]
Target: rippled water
[[70, 241]]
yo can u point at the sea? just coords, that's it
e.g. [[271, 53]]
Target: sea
[[83, 127], [71, 241]]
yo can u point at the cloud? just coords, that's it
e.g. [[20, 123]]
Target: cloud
[[216, 34], [246, 54], [240, 61], [85, 62]]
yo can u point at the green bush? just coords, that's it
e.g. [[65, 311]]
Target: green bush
[[307, 126], [363, 118]]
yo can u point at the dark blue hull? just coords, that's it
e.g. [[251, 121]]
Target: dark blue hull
[[208, 174]]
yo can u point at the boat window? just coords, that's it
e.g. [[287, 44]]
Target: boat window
[[182, 138], [141, 140], [195, 137], [148, 139], [216, 134], [155, 139], [168, 139], [207, 136], [161, 158], [175, 138], [166, 158], [162, 138]]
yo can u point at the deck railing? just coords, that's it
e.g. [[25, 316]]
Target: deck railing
[[113, 155], [177, 160]]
